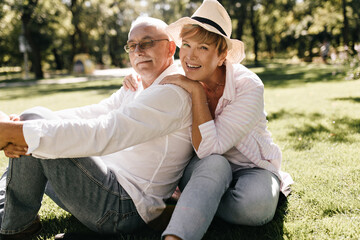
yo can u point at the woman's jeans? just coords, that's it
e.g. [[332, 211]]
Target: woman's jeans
[[83, 186], [250, 200]]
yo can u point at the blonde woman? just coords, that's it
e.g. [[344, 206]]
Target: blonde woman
[[236, 173]]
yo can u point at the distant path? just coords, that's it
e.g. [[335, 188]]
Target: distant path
[[98, 74]]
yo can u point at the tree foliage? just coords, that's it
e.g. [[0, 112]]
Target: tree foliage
[[57, 30]]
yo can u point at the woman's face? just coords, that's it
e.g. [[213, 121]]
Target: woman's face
[[199, 60]]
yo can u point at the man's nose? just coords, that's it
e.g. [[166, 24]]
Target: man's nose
[[138, 49]]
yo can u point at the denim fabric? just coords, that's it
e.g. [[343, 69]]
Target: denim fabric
[[48, 191], [83, 186], [203, 184], [251, 198]]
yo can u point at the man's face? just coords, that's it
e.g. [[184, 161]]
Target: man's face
[[149, 63]]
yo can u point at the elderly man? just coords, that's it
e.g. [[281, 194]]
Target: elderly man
[[142, 139]]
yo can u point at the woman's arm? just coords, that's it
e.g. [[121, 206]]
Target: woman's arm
[[234, 123], [200, 110]]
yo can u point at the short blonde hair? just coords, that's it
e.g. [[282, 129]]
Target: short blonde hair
[[200, 34]]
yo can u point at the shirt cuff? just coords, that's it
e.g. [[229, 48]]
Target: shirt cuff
[[32, 135], [207, 130]]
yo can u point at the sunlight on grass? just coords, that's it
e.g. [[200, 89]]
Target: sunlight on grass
[[314, 116]]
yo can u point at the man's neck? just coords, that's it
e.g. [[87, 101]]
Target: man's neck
[[150, 79], [146, 82]]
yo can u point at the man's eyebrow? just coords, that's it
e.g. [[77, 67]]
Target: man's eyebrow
[[144, 38]]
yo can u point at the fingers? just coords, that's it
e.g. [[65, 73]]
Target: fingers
[[131, 82], [14, 117], [14, 151]]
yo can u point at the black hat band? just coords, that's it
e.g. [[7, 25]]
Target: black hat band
[[211, 23]]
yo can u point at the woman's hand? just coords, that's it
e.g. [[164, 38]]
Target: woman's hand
[[14, 117], [14, 151], [131, 82], [182, 81]]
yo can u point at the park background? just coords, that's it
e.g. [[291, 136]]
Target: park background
[[312, 98]]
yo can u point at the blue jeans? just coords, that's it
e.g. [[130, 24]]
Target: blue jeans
[[250, 200], [84, 186]]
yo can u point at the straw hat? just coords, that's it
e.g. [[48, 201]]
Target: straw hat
[[212, 16]]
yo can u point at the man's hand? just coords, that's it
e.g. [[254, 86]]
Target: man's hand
[[13, 151], [131, 82], [3, 118]]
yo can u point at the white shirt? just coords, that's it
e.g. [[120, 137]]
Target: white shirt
[[142, 136], [239, 130]]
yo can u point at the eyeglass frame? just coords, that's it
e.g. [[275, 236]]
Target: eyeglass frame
[[127, 48]]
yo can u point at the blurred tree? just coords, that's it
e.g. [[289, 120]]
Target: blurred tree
[[346, 23], [29, 30], [57, 30]]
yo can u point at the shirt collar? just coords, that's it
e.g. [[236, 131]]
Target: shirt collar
[[172, 69], [229, 91]]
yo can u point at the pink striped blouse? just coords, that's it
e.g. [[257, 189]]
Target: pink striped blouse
[[239, 130]]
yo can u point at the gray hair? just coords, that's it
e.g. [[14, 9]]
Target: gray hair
[[149, 21]]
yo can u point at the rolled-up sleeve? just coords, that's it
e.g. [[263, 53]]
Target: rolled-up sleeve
[[236, 120], [156, 112]]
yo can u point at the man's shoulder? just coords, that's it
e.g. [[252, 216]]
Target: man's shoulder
[[167, 93]]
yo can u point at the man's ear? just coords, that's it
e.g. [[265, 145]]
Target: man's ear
[[172, 48]]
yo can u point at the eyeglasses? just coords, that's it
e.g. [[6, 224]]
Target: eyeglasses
[[130, 47]]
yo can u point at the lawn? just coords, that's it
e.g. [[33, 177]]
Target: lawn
[[314, 116]]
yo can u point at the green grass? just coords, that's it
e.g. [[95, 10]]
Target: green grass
[[314, 116]]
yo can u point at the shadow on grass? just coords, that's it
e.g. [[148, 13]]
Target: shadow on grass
[[313, 129], [73, 229], [351, 99], [282, 75], [218, 230]]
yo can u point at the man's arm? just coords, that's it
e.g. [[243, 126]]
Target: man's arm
[[158, 111]]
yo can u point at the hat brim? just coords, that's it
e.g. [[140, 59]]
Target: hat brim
[[236, 51]]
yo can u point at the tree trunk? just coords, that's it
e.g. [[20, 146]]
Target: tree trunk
[[254, 32], [241, 20], [35, 51], [269, 47], [346, 24], [77, 36], [58, 61]]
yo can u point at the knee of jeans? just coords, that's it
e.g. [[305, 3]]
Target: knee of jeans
[[36, 113], [217, 167], [251, 212]]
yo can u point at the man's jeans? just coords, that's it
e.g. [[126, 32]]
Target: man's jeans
[[250, 200], [84, 186]]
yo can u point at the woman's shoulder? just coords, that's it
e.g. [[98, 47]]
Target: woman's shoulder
[[244, 77]]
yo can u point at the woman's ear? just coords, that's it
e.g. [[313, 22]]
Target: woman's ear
[[222, 58]]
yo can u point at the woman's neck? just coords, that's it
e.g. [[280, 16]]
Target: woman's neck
[[216, 80]]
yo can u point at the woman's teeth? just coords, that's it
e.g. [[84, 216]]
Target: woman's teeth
[[192, 66]]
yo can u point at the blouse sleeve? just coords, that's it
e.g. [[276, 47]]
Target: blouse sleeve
[[235, 121]]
